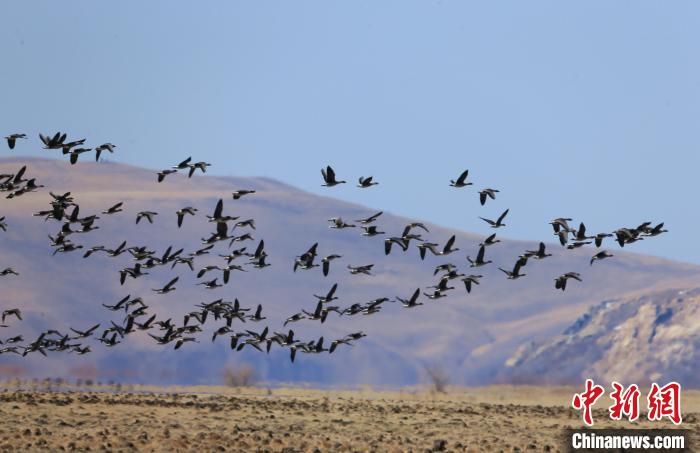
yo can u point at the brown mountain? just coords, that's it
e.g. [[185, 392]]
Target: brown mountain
[[635, 340], [470, 335]]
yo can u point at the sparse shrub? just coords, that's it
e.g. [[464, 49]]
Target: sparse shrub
[[240, 376], [438, 377]]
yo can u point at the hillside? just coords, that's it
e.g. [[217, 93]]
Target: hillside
[[470, 335], [651, 338]]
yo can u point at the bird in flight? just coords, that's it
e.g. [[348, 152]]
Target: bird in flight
[[461, 181]]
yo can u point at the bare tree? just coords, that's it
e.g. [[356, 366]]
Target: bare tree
[[240, 376], [438, 377]]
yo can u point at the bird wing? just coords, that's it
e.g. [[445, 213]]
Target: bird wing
[[503, 216], [462, 177]]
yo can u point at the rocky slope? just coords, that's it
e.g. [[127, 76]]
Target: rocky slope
[[650, 338]]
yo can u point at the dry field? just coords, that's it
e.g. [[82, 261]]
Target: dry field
[[201, 419]]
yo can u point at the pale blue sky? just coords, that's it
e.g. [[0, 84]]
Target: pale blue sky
[[587, 109]]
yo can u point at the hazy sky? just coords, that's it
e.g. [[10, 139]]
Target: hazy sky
[[588, 109]]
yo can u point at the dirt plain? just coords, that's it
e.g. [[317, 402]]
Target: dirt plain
[[502, 418]]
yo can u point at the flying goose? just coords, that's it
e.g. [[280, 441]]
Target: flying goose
[[469, 280], [461, 181], [657, 230], [162, 174], [575, 245], [147, 214], [212, 284], [538, 254], [394, 240], [167, 288], [257, 316], [12, 138], [86, 333], [580, 234], [104, 147], [54, 142], [447, 267], [371, 230], [498, 223], [413, 301], [434, 295], [3, 225], [218, 216], [8, 271], [338, 223], [330, 295], [600, 256], [515, 273], [184, 164], [560, 282], [423, 247], [366, 182], [294, 318], [361, 269], [329, 177], [599, 238], [372, 218], [244, 223], [198, 165], [181, 214], [479, 258], [114, 209], [239, 193], [447, 249], [326, 262], [490, 240], [11, 312], [561, 223], [490, 193]]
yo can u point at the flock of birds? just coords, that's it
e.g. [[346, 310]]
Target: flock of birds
[[63, 209]]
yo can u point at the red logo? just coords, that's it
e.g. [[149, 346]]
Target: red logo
[[587, 399], [662, 402], [626, 402], [665, 402]]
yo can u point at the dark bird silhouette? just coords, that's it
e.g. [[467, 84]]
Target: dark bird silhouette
[[326, 263], [538, 254], [12, 138], [114, 209], [490, 193], [412, 301], [167, 288], [162, 174], [479, 258], [11, 312], [181, 214], [498, 223], [330, 295], [372, 218], [600, 256], [104, 147], [366, 182], [560, 282], [515, 273], [490, 240], [470, 280], [329, 177], [147, 214], [239, 193], [371, 230], [461, 181], [361, 269]]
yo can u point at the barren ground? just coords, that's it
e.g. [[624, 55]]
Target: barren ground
[[199, 419]]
